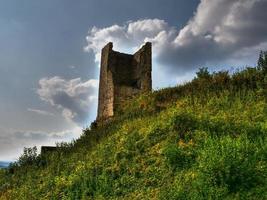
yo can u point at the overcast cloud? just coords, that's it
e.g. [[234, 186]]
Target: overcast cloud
[[76, 99], [218, 31]]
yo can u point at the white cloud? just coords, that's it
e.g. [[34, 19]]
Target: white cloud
[[40, 112], [75, 98], [219, 31], [127, 37], [13, 141], [231, 24]]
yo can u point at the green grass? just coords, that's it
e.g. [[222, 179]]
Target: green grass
[[202, 140]]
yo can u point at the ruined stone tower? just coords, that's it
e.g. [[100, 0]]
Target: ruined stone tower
[[121, 77]]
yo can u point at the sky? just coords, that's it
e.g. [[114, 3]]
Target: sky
[[50, 51]]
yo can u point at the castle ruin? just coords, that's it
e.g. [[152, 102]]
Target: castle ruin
[[122, 76]]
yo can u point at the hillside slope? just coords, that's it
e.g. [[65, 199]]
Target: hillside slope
[[206, 139]]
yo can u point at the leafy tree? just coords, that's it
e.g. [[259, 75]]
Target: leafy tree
[[29, 156], [203, 73], [262, 61]]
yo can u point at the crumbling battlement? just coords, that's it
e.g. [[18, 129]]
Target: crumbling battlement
[[122, 76]]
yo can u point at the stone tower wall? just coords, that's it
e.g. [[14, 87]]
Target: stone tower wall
[[122, 76], [106, 86], [143, 59]]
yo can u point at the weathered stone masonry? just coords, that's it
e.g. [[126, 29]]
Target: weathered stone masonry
[[122, 76]]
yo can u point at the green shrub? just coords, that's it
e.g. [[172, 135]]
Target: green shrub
[[235, 164], [179, 157]]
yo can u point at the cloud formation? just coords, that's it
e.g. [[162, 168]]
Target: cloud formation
[[13, 141], [75, 98], [40, 112], [218, 31], [129, 36]]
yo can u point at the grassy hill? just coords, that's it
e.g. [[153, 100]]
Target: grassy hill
[[206, 139]]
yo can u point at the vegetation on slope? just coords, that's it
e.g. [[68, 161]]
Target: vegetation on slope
[[206, 139]]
